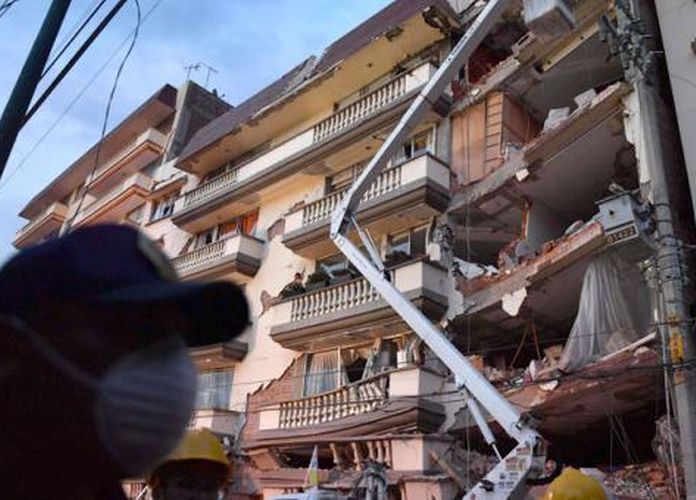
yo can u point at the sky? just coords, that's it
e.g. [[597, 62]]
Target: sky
[[249, 43]]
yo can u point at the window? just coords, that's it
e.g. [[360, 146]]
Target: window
[[415, 145], [335, 264], [164, 207], [214, 390], [411, 243], [244, 224], [345, 178], [327, 371], [418, 143], [322, 373], [207, 237]]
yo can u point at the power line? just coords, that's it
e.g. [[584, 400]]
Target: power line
[[73, 60], [5, 6], [69, 42], [107, 112], [72, 103]]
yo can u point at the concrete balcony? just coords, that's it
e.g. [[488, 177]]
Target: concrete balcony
[[413, 191], [238, 257], [354, 312], [370, 417], [233, 193], [220, 421], [116, 204], [42, 226], [218, 356], [131, 159]]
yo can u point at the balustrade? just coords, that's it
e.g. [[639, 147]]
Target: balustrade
[[352, 399], [360, 109], [322, 209]]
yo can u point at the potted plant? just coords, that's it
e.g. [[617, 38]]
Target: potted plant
[[317, 280], [295, 287]]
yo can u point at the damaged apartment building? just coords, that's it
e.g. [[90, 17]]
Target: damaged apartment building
[[517, 216]]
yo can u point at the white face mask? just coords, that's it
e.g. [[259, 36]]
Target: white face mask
[[143, 402]]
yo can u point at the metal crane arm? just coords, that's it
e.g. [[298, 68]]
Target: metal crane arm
[[508, 478]]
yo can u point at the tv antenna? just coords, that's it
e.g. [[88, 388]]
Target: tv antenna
[[198, 66]]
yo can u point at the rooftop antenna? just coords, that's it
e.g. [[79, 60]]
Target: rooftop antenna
[[197, 66]]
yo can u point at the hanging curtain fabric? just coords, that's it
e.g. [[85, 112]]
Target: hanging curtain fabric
[[614, 311], [323, 373], [249, 222]]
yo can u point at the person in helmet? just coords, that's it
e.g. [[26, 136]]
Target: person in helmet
[[198, 469], [572, 484]]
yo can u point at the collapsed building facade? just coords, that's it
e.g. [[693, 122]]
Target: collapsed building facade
[[516, 216]]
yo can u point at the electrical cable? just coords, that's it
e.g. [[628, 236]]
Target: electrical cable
[[70, 32], [6, 6], [72, 61], [72, 38], [67, 109]]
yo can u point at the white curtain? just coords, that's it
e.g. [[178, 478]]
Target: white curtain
[[214, 390], [323, 373], [614, 311]]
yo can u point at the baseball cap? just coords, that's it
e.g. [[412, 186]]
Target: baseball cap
[[118, 266]]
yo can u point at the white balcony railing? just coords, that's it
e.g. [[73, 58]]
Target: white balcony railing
[[323, 208], [56, 211], [138, 182], [210, 189], [211, 255], [352, 399], [420, 168], [372, 102], [411, 276], [340, 120]]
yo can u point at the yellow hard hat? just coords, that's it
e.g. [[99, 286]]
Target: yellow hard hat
[[199, 444], [574, 485]]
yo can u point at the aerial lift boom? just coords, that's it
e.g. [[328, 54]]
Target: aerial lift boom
[[508, 479]]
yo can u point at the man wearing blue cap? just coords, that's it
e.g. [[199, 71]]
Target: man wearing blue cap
[[95, 378]]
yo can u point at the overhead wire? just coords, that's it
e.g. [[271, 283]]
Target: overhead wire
[[105, 123], [73, 60], [5, 6], [74, 101], [69, 42]]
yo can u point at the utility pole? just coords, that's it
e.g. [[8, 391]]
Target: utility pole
[[629, 41], [23, 91]]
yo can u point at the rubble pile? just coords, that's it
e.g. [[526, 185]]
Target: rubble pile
[[649, 481], [472, 465]]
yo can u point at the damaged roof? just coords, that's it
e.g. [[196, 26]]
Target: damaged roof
[[376, 26]]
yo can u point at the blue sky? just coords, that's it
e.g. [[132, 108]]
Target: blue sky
[[250, 43]]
